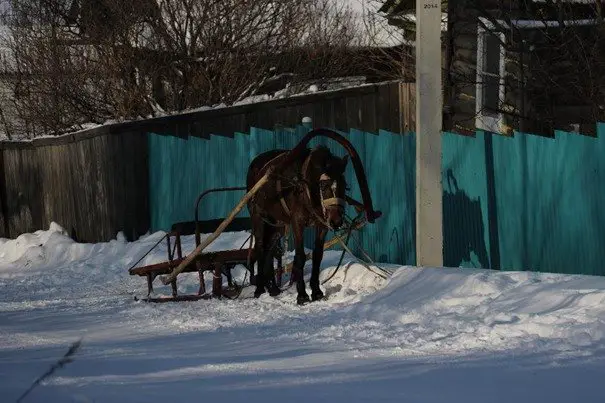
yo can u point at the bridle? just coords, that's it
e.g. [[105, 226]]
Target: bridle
[[324, 181]]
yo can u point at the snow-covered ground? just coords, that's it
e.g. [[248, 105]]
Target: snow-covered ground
[[423, 335]]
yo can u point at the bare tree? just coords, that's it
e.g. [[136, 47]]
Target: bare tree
[[88, 61]]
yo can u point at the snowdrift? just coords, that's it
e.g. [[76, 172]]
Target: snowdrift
[[369, 336]]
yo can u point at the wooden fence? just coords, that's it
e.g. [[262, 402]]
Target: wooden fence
[[92, 184], [95, 182]]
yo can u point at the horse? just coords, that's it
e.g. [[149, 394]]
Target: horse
[[309, 192]]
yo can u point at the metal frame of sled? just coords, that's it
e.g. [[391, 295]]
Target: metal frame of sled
[[219, 262]]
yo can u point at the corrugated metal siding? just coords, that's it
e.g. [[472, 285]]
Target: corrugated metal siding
[[465, 235], [389, 161], [525, 202], [550, 202], [518, 203], [179, 170]]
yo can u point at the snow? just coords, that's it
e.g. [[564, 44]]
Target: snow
[[423, 335]]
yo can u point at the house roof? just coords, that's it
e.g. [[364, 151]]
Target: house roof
[[395, 7]]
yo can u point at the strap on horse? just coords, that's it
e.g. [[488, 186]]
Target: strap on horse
[[278, 184], [332, 201], [281, 198]]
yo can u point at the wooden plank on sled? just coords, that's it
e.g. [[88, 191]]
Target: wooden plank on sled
[[198, 250], [226, 292], [178, 298], [225, 257]]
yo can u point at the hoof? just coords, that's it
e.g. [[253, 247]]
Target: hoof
[[274, 291], [316, 296], [302, 299], [258, 292]]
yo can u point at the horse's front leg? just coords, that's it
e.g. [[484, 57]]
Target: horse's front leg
[[299, 264], [259, 251], [318, 254]]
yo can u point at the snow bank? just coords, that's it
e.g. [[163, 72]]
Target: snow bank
[[455, 310], [370, 339], [31, 246], [423, 309]]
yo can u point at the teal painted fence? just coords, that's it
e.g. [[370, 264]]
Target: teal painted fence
[[525, 202], [181, 168], [519, 203]]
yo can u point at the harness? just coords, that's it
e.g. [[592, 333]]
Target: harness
[[325, 203]]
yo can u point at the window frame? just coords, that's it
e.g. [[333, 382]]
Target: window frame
[[488, 120]]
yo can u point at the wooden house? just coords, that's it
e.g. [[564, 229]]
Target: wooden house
[[527, 65]]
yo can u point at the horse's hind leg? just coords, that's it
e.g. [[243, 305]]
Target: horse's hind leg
[[272, 239], [299, 264]]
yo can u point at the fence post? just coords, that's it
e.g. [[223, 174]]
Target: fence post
[[429, 193]]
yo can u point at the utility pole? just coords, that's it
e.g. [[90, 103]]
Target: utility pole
[[429, 193]]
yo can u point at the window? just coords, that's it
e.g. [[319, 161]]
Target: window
[[490, 91], [490, 81], [491, 73]]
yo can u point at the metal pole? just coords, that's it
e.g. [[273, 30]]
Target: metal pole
[[429, 211]]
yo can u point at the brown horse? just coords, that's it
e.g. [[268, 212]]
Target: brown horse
[[309, 192]]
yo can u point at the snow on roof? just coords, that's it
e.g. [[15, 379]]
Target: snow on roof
[[539, 23], [338, 84]]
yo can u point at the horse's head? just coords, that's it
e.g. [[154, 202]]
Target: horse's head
[[332, 188]]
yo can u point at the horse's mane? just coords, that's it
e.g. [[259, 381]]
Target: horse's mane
[[320, 150]]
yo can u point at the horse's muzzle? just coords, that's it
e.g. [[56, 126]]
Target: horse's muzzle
[[335, 217], [336, 224]]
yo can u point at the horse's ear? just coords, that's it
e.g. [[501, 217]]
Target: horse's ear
[[345, 160]]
